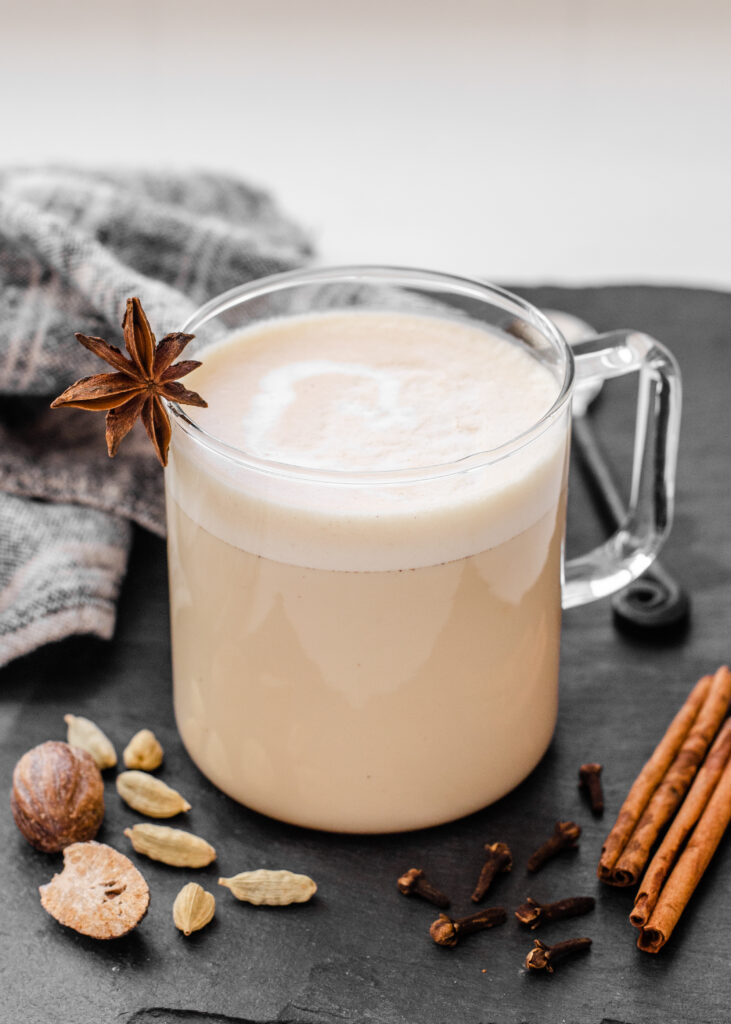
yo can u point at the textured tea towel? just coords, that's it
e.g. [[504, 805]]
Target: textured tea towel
[[73, 246]]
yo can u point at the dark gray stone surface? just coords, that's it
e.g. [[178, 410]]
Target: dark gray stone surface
[[360, 952]]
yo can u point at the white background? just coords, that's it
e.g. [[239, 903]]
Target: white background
[[562, 141]]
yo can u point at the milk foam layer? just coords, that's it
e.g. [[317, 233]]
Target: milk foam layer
[[367, 391], [370, 391]]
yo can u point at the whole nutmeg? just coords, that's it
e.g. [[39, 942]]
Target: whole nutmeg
[[58, 796]]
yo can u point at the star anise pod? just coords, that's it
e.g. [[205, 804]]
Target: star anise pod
[[140, 383]]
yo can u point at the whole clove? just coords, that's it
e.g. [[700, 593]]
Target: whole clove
[[446, 931], [545, 958], [414, 883], [499, 859], [533, 914], [590, 784], [565, 836]]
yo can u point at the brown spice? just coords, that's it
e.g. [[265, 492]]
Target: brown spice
[[688, 872], [693, 806], [669, 794], [590, 783], [57, 797], [139, 385], [565, 836], [533, 914], [499, 859], [99, 893], [447, 931], [545, 958], [414, 883], [650, 778]]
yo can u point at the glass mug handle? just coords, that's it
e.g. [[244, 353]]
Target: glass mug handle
[[629, 551]]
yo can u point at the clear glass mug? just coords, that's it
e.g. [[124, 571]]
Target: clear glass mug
[[378, 651]]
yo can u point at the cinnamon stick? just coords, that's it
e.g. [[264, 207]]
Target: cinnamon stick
[[668, 796], [690, 867], [693, 806], [649, 778]]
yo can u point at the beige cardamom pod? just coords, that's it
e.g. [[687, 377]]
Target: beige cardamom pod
[[193, 908], [171, 846], [150, 796], [86, 735], [275, 888], [143, 751]]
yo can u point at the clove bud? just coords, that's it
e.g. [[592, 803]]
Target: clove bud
[[446, 931], [413, 883], [499, 858], [532, 913], [565, 835], [545, 958], [590, 783]]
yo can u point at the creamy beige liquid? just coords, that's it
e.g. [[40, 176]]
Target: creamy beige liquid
[[367, 658]]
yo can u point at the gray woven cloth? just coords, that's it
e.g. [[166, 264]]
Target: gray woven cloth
[[73, 246]]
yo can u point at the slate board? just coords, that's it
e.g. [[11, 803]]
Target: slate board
[[360, 952]]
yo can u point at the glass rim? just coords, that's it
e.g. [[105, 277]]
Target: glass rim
[[385, 275]]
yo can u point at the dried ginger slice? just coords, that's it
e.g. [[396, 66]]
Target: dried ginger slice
[[99, 893]]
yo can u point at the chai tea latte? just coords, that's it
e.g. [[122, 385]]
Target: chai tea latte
[[361, 643]]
